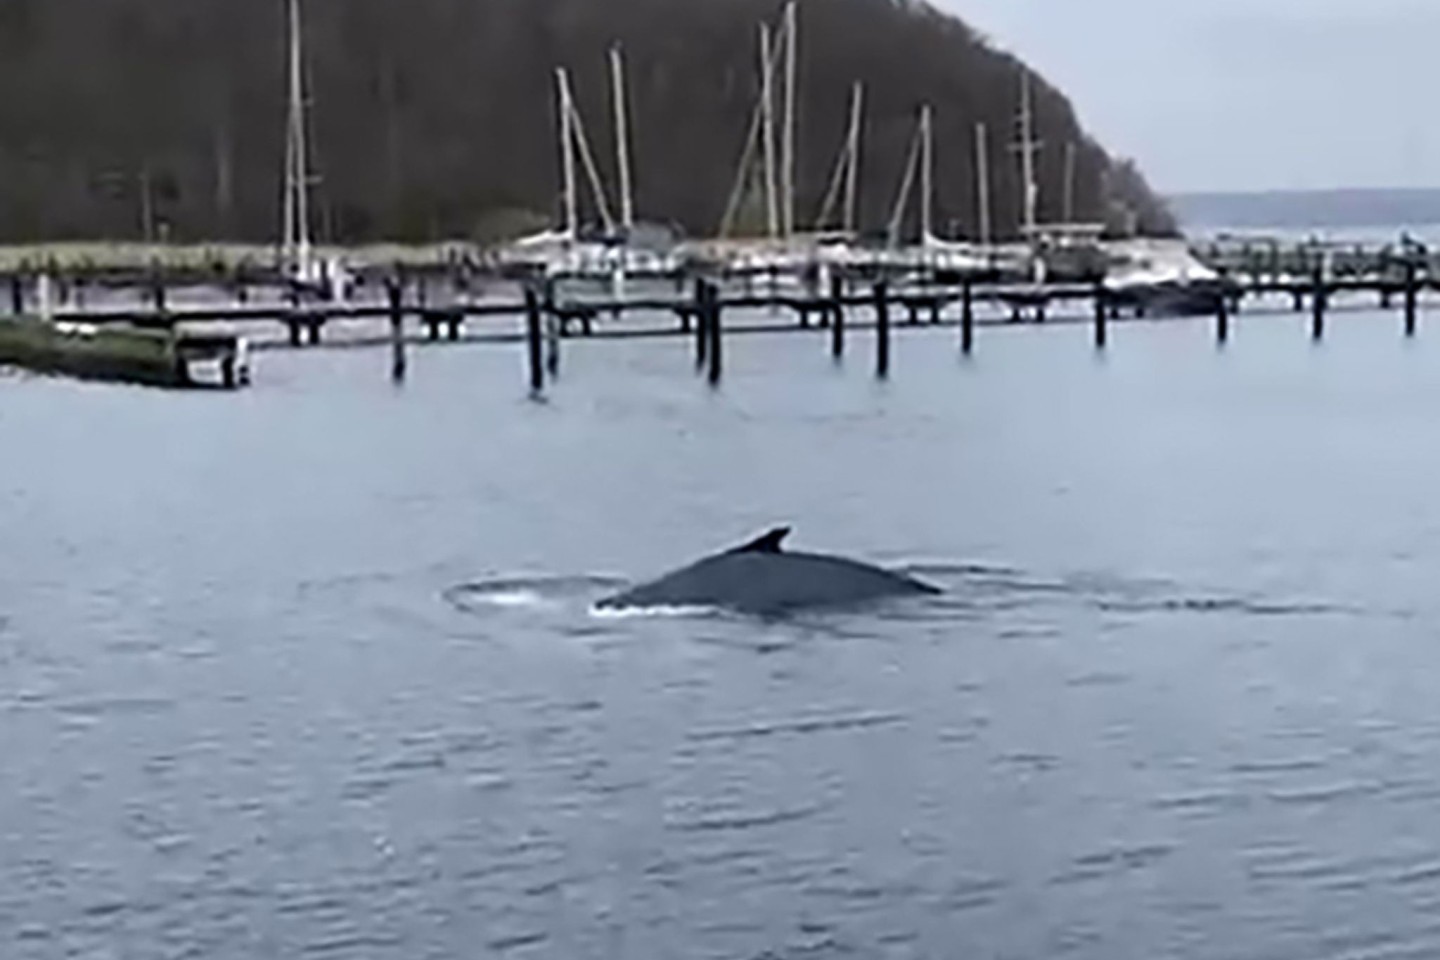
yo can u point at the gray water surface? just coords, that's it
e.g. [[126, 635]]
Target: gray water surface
[[310, 671]]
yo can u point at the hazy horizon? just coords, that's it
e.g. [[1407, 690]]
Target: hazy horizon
[[1218, 96], [1305, 191]]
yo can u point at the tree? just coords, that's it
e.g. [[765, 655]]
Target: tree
[[434, 116]]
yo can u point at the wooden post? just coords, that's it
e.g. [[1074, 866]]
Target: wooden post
[[685, 313], [882, 330], [397, 330], [1317, 320], [17, 293], [532, 341], [702, 322], [1411, 299], [1102, 317], [716, 334], [837, 316], [295, 332], [967, 318], [552, 346], [1222, 318]]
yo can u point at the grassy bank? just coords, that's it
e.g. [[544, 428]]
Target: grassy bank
[[108, 256], [120, 354]]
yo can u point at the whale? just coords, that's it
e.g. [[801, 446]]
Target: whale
[[762, 578]]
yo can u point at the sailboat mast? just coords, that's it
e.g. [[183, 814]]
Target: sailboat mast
[[1070, 182], [622, 138], [567, 153], [927, 175], [1028, 147], [982, 177], [902, 201], [299, 158], [767, 95], [852, 172], [788, 155]]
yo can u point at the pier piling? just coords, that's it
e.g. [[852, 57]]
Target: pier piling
[[967, 318], [713, 324], [552, 346], [882, 330], [532, 341], [702, 323], [1102, 317], [17, 294], [1412, 296], [1222, 319], [837, 315], [1318, 297], [398, 363]]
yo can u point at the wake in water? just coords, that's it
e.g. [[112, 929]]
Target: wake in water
[[530, 592], [1006, 587], [971, 590]]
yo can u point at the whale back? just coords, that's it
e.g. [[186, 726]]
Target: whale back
[[761, 578]]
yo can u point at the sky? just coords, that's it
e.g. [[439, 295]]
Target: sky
[[1241, 94]]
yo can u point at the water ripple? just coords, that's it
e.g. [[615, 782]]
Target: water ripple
[[1237, 606], [1107, 864], [747, 821], [1325, 794], [349, 945], [802, 725], [518, 941]]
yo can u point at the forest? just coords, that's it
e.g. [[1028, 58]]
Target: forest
[[436, 119]]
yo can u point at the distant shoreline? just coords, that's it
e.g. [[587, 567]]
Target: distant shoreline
[[1335, 209]]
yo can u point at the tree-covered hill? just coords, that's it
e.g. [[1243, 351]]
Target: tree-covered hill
[[436, 118]]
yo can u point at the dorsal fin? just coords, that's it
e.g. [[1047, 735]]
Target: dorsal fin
[[769, 543]]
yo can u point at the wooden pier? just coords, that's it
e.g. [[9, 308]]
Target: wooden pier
[[707, 303]]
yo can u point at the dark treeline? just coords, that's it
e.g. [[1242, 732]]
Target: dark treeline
[[435, 118]]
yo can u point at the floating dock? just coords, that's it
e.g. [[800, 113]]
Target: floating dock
[[155, 357]]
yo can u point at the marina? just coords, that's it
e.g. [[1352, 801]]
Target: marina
[[463, 296], [603, 272]]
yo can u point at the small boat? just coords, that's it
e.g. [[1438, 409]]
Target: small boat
[[213, 359], [1161, 278]]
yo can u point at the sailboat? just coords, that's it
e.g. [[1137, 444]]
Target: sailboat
[[302, 270], [619, 248], [930, 254], [759, 235]]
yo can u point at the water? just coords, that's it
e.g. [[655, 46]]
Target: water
[[309, 671]]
